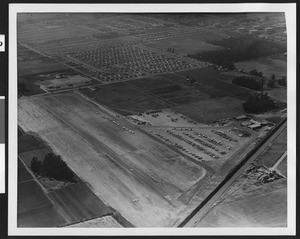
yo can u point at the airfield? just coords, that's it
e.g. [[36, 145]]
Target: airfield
[[148, 130]]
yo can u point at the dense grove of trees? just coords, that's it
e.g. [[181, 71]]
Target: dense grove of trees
[[249, 82], [239, 49], [259, 103], [255, 73], [52, 166], [282, 81]]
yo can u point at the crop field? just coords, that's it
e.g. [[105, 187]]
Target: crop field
[[42, 32], [177, 92], [184, 45], [78, 203], [267, 65], [34, 208], [279, 93], [28, 142], [180, 31], [282, 167], [124, 98], [278, 147], [23, 174], [38, 66], [210, 77], [27, 156], [264, 210], [138, 176], [207, 111]]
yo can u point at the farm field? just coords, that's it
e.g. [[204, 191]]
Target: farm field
[[184, 45], [207, 111], [177, 92], [267, 65], [27, 156], [282, 167], [278, 93], [278, 147], [23, 174], [125, 99], [139, 176], [209, 77], [265, 210], [38, 66], [78, 203], [28, 142], [34, 208]]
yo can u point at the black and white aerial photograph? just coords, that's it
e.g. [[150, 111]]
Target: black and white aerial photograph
[[152, 120]]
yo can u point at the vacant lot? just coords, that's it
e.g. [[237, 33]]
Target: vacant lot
[[206, 111], [278, 93], [23, 174], [125, 99], [28, 142], [171, 88], [34, 208], [210, 77], [282, 167], [267, 65], [27, 156], [138, 176], [38, 66], [265, 210], [184, 45], [78, 203], [275, 150]]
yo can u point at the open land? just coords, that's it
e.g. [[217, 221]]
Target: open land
[[210, 110], [267, 65], [258, 198], [184, 45], [268, 210], [143, 185], [34, 207]]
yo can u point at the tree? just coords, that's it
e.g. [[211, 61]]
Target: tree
[[249, 82], [259, 103], [273, 77], [271, 83], [35, 165], [282, 81], [53, 166]]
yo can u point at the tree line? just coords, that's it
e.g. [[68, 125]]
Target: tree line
[[53, 167], [239, 49], [249, 82], [259, 103]]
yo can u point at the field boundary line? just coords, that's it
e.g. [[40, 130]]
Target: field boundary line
[[279, 161], [45, 192]]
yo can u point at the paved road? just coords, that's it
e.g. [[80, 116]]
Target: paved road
[[193, 222]]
